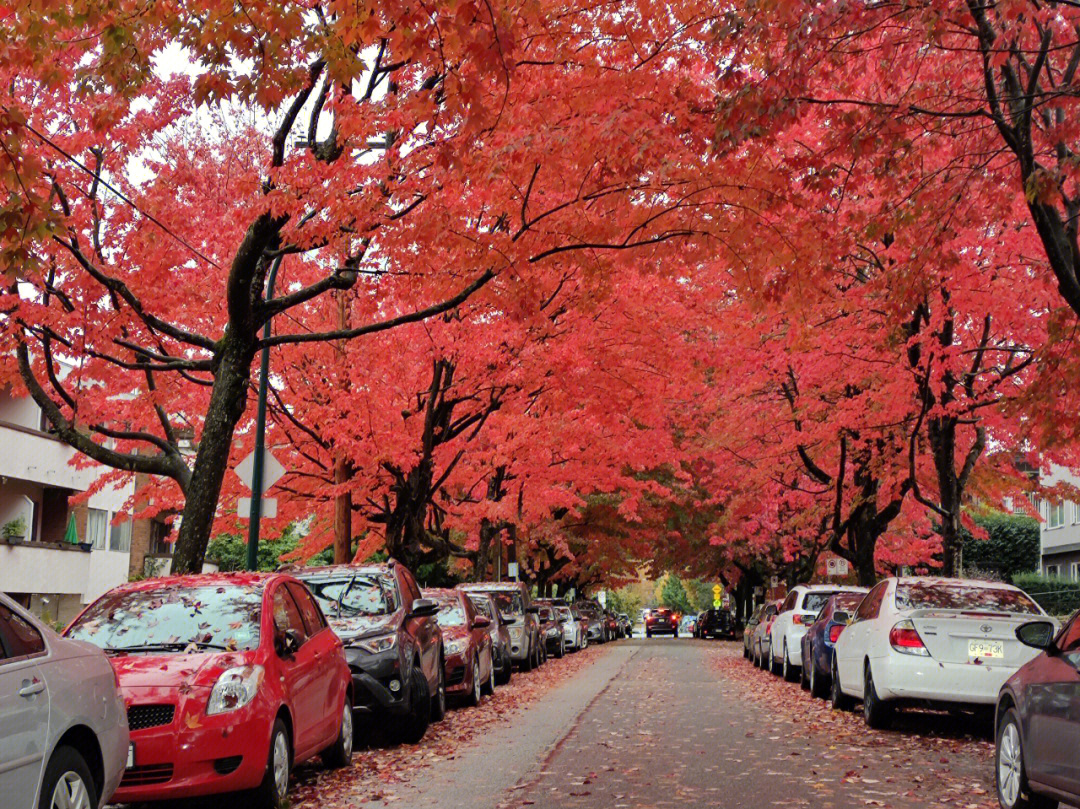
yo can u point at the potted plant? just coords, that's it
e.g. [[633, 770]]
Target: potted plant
[[14, 530]]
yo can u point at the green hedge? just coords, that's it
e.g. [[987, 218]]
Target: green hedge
[[1011, 549], [1056, 595]]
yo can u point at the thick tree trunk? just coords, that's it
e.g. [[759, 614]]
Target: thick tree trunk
[[227, 402], [342, 514]]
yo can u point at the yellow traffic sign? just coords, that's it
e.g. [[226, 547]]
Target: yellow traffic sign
[[717, 590], [717, 603]]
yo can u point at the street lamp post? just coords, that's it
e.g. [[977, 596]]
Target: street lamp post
[[255, 516]]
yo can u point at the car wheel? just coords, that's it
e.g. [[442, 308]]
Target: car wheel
[[1010, 775], [745, 652], [413, 726], [68, 783], [489, 684], [787, 669], [562, 649], [817, 686], [876, 712], [339, 754], [840, 700], [648, 634], [272, 792], [675, 634], [804, 678], [438, 701], [774, 667], [476, 692]]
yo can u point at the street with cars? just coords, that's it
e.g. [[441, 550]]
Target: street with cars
[[225, 684]]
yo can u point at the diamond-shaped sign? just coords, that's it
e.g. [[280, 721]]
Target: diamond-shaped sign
[[272, 470]]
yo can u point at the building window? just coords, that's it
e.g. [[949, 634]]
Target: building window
[[97, 522], [1056, 514], [159, 533], [1074, 574], [120, 536], [1051, 570]]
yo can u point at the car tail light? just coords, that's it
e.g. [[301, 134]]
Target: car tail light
[[904, 638], [834, 632]]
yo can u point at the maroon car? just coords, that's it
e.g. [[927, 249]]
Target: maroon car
[[470, 670], [1038, 722]]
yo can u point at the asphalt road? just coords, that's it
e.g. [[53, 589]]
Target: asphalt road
[[677, 723]]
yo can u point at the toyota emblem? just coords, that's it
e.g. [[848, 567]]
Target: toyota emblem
[[986, 628]]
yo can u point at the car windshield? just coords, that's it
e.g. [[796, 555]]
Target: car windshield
[[351, 594], [564, 614], [813, 602], [483, 606], [173, 619], [942, 595], [451, 612], [509, 603]]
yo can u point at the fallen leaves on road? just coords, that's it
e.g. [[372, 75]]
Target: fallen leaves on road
[[928, 757], [373, 768]]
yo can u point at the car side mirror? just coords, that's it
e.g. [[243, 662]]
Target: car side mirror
[[533, 610], [423, 608], [1037, 634], [288, 643], [841, 617], [481, 622]]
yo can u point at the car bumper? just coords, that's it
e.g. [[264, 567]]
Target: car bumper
[[519, 649], [457, 675], [177, 760], [114, 748], [661, 629], [911, 677], [373, 678], [553, 642]]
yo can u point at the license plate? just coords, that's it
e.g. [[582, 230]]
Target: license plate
[[131, 756], [986, 648]]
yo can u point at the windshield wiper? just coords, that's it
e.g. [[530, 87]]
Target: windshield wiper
[[166, 647]]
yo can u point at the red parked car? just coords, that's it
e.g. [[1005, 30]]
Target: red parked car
[[229, 680], [470, 670]]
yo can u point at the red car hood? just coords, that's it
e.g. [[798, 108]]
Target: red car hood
[[454, 632], [173, 671]]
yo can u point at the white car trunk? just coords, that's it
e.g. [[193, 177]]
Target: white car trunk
[[968, 636]]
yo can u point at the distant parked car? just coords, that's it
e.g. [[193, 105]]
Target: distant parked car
[[798, 611], [688, 624], [612, 623], [1038, 721], [715, 623], [63, 724], [942, 642], [597, 625], [761, 641], [467, 648], [819, 640], [515, 603], [393, 643], [625, 624], [551, 631], [661, 621], [575, 634], [500, 636], [230, 680]]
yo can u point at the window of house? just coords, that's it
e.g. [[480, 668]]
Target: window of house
[[1052, 570], [97, 525], [1074, 573], [120, 536], [159, 534], [1055, 514]]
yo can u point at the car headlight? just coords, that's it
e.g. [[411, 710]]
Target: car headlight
[[456, 647], [235, 689], [517, 632], [380, 644], [553, 632]]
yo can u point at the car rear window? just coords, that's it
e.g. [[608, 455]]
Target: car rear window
[[813, 602], [948, 596], [173, 618]]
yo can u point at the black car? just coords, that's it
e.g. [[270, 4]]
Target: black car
[[715, 623], [551, 631], [661, 622], [393, 643], [594, 614]]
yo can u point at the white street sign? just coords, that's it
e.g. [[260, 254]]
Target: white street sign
[[837, 567], [512, 569], [269, 507], [272, 469]]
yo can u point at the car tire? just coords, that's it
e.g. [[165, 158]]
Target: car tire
[[817, 685], [488, 687], [562, 649], [274, 789], [648, 634], [1010, 774], [68, 781], [675, 634], [876, 712], [804, 676], [339, 754], [774, 667], [438, 699], [507, 671], [840, 701], [745, 652], [472, 699], [787, 668], [414, 724]]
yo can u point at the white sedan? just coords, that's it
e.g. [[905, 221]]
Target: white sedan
[[797, 613], [942, 642]]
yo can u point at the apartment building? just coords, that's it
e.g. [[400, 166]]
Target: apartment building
[[1059, 534], [56, 556]]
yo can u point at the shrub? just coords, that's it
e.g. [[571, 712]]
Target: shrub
[[229, 551], [1054, 594], [1012, 547]]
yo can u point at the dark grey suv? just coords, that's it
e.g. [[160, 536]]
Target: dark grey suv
[[515, 605]]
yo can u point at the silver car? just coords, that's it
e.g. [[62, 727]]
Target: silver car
[[574, 635], [63, 725]]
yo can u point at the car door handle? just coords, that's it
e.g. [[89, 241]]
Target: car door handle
[[31, 687]]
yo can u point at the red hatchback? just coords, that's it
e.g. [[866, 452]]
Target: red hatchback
[[469, 662], [229, 680]]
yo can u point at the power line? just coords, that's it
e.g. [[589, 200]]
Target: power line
[[120, 194]]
